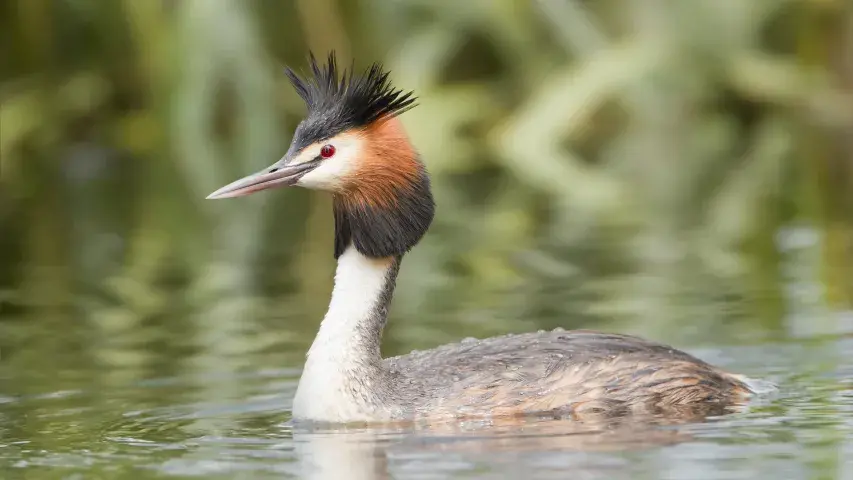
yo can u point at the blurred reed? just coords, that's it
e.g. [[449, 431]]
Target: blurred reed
[[667, 145]]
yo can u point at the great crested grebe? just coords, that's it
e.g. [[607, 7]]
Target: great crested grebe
[[352, 144]]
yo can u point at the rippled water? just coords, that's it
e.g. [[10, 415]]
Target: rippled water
[[237, 426], [108, 397]]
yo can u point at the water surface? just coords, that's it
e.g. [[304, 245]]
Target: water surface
[[188, 395]]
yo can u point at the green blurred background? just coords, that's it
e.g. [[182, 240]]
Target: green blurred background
[[664, 167]]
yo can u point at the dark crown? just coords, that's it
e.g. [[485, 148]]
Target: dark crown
[[353, 101]]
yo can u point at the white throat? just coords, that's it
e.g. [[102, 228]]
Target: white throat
[[343, 372]]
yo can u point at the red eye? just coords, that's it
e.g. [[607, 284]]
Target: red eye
[[327, 151]]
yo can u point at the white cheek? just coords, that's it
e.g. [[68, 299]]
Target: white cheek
[[328, 176], [333, 172]]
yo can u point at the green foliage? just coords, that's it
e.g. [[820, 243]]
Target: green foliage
[[621, 159]]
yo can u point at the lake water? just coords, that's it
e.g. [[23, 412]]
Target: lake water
[[181, 396]]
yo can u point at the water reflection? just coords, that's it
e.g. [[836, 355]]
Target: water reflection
[[178, 427], [132, 392], [355, 455], [367, 453]]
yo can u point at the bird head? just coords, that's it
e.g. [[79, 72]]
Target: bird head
[[352, 144]]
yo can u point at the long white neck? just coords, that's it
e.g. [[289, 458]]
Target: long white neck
[[343, 379]]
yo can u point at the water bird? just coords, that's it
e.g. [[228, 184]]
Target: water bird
[[352, 144]]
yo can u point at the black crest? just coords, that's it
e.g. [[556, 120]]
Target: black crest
[[351, 101]]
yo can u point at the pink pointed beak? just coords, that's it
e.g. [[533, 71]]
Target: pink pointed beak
[[278, 175]]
